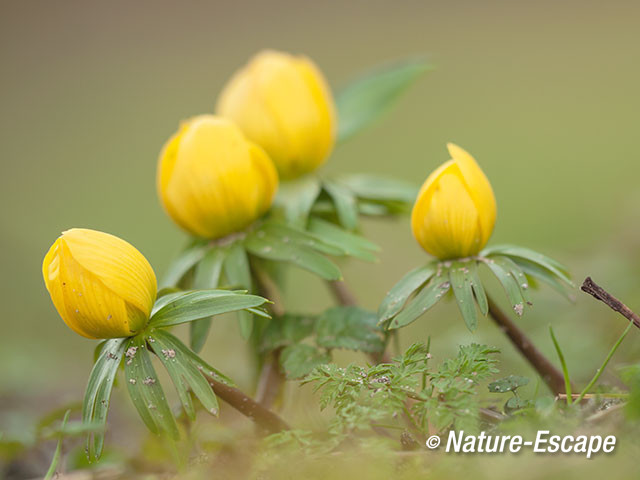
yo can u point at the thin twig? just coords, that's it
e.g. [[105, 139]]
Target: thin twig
[[599, 293], [265, 418], [549, 373]]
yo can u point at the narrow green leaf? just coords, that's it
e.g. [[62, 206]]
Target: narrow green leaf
[[565, 370], [299, 359], [208, 273], [373, 187], [97, 395], [273, 248], [509, 284], [478, 288], [173, 342], [365, 99], [401, 291], [425, 299], [517, 274], [145, 390], [538, 272], [296, 198], [238, 272], [184, 373], [182, 264], [58, 452], [352, 328], [354, 245], [345, 203], [289, 233], [199, 304], [527, 254], [463, 291]]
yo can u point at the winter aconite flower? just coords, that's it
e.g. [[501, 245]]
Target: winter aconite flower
[[283, 103], [212, 180], [101, 285], [455, 211]]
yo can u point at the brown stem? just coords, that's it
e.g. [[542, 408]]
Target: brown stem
[[549, 373], [265, 418], [342, 294], [599, 293], [271, 378]]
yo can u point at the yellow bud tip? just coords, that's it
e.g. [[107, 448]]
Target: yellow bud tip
[[455, 212], [284, 104], [101, 286]]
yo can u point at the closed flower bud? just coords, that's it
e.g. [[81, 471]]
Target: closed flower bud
[[212, 181], [101, 285], [455, 211], [283, 103]]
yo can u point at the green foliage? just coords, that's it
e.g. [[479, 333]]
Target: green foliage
[[298, 359], [366, 98], [352, 328], [508, 384], [406, 393], [631, 377]]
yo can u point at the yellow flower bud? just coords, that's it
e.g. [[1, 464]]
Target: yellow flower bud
[[283, 103], [101, 285], [213, 181], [455, 211]]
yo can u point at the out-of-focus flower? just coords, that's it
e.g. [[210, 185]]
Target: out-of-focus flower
[[101, 285], [283, 103], [212, 181], [454, 214]]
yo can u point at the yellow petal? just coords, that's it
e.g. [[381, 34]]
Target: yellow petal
[[284, 104], [101, 286], [212, 181], [455, 211]]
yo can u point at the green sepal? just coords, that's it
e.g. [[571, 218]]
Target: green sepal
[[478, 288], [352, 244], [95, 405], [238, 272], [509, 283], [184, 262], [145, 390], [344, 202]]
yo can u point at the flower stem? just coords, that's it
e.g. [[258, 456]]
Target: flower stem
[[549, 373], [265, 418]]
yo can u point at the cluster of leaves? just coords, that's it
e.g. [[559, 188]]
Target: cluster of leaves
[[306, 341], [516, 268], [407, 393]]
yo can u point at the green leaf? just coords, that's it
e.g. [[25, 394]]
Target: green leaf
[[463, 291], [289, 233], [182, 264], [58, 452], [509, 284], [95, 405], [345, 203], [287, 329], [184, 374], [401, 291], [536, 271], [508, 384], [198, 304], [516, 252], [352, 328], [517, 274], [275, 249], [425, 299], [373, 187], [172, 342], [145, 390], [208, 273], [478, 288], [365, 99], [354, 245], [299, 359], [238, 272], [296, 198]]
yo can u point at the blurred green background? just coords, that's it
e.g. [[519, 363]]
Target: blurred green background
[[543, 94]]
